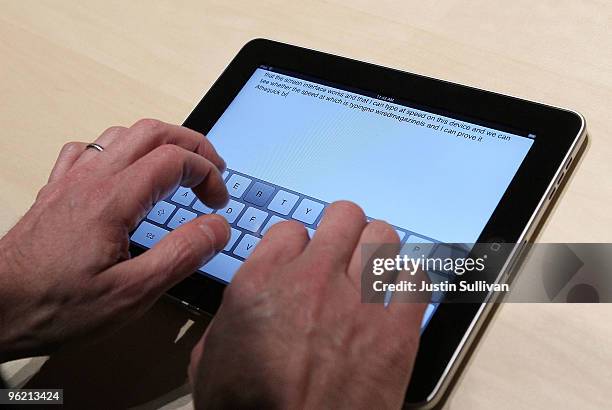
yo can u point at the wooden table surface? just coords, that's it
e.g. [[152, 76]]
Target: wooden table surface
[[69, 69]]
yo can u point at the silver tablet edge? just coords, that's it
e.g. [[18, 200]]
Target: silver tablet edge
[[485, 308]]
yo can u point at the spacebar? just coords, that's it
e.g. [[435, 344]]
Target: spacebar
[[222, 266]]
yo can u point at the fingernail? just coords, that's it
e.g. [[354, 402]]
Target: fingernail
[[217, 228]]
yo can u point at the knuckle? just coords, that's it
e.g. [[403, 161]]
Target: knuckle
[[208, 150], [148, 125], [45, 191], [383, 231], [346, 209], [116, 129], [288, 228], [169, 151], [70, 147]]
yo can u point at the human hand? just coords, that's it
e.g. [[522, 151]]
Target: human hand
[[292, 331], [65, 270]]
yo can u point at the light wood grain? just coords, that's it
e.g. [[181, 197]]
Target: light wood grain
[[69, 69]]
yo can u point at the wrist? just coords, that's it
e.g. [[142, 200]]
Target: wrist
[[16, 300], [353, 393]]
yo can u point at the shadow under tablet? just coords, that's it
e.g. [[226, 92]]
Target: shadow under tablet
[[144, 364]]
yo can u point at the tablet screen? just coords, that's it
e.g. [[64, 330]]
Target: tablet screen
[[428, 176], [294, 144]]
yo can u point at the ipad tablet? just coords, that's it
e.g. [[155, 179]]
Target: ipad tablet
[[441, 162]]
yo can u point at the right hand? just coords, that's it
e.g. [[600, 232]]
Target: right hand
[[292, 331]]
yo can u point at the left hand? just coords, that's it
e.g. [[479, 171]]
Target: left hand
[[65, 269]]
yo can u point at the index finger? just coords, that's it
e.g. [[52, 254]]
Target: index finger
[[155, 175], [378, 240], [338, 234]]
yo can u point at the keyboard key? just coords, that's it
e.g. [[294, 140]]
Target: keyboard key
[[180, 217], [273, 220], [183, 196], [231, 210], [417, 247], [225, 174], [283, 202], [417, 239], [307, 211], [233, 238], [148, 234], [246, 246], [222, 266], [259, 194], [237, 184], [200, 207], [161, 212], [252, 219]]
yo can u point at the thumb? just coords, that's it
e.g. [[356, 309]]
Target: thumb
[[176, 256]]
